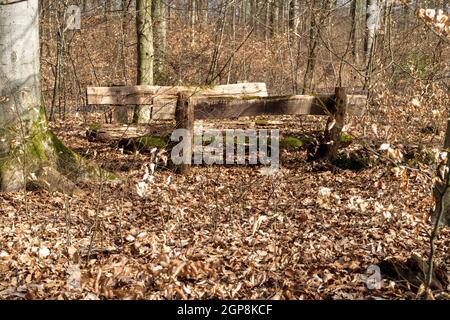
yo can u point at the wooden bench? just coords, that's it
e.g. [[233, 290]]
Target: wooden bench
[[187, 104]]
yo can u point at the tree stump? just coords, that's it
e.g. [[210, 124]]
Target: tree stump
[[328, 150]]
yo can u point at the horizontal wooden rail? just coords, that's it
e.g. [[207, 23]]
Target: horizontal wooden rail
[[144, 95], [223, 108]]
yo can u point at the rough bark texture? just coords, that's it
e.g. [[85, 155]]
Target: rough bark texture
[[145, 54], [328, 150], [312, 48], [294, 17], [29, 152], [184, 117], [160, 37], [357, 12], [372, 17]]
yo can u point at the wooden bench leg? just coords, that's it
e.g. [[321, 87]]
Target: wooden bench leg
[[120, 114], [184, 117]]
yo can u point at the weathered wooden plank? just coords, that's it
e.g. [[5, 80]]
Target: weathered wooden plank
[[225, 107], [138, 95], [164, 108]]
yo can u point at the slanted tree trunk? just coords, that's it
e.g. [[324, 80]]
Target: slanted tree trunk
[[144, 28], [29, 152]]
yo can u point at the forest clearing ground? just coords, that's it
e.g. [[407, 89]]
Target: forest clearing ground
[[219, 232]]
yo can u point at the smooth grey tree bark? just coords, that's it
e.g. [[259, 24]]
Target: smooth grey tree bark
[[372, 25], [29, 152], [372, 16]]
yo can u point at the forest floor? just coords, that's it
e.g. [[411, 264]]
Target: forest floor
[[225, 232]]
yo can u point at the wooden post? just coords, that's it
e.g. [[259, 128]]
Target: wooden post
[[332, 138], [120, 114], [184, 117]]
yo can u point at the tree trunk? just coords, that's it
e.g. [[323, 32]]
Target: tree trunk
[[268, 27], [160, 37], [371, 28], [294, 18], [144, 28], [357, 23], [274, 17], [205, 13], [29, 152], [312, 48], [193, 17], [372, 16], [332, 138]]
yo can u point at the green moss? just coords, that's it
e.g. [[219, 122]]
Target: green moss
[[151, 142], [94, 126], [346, 138], [41, 153], [293, 143], [36, 146], [262, 122], [352, 162], [67, 160]]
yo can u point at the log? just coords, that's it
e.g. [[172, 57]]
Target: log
[[144, 95]]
